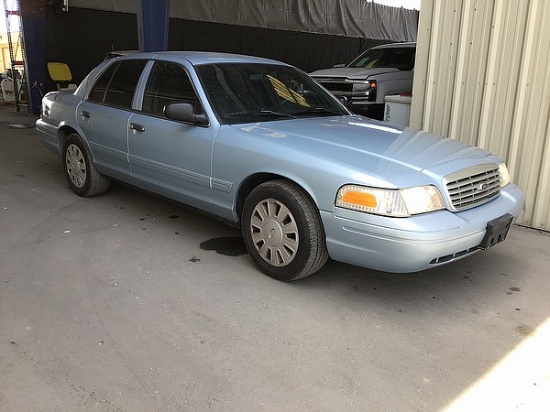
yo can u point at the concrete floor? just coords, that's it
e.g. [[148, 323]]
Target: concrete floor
[[115, 303]]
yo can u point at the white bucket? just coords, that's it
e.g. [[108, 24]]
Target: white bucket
[[8, 91]]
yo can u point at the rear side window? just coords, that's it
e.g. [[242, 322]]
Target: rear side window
[[117, 85]]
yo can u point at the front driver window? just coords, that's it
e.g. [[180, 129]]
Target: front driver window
[[168, 83]]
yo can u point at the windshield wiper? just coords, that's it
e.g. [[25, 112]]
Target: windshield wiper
[[319, 110], [261, 112], [274, 113]]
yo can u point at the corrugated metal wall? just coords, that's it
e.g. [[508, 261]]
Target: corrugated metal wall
[[482, 76]]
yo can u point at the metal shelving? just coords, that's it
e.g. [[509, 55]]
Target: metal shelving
[[17, 70]]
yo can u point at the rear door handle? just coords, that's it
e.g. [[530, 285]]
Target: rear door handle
[[138, 127], [85, 114]]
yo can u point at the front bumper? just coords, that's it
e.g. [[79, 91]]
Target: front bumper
[[403, 245]]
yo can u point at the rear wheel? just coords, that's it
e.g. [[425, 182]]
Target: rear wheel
[[283, 231], [83, 177]]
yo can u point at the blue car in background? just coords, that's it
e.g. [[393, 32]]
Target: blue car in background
[[261, 145]]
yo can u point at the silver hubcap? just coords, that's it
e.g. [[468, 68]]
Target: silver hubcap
[[75, 165], [274, 232]]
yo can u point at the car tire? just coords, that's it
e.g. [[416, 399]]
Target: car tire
[[83, 177], [283, 231]]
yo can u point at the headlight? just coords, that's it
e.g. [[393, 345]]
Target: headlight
[[504, 174], [396, 203]]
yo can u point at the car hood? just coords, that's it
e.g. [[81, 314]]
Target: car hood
[[366, 145], [351, 73]]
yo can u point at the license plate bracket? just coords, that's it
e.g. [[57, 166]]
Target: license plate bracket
[[497, 230]]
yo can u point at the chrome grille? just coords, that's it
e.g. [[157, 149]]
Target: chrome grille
[[473, 186], [338, 87]]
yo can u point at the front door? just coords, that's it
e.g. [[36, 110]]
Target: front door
[[169, 157]]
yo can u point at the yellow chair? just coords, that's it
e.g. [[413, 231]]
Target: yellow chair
[[61, 75]]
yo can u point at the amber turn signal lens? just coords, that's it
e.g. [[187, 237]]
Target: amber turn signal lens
[[360, 199]]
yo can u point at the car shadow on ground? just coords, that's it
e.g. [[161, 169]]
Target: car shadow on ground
[[482, 279]]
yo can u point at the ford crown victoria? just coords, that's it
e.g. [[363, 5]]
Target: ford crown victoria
[[262, 146]]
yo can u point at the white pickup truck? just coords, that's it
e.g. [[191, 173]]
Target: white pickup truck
[[362, 84]]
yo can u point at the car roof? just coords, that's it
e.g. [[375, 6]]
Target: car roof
[[200, 57]]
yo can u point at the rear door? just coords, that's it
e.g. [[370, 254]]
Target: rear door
[[103, 117]]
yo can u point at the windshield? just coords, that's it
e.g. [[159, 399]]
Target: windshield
[[251, 92], [398, 58]]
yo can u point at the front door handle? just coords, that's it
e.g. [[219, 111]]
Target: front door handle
[[138, 127]]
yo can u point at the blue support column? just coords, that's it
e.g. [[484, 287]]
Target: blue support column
[[153, 20], [33, 21]]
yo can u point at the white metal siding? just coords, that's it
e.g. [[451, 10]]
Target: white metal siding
[[482, 76]]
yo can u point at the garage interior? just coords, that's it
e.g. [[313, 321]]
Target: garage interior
[[307, 36], [98, 314]]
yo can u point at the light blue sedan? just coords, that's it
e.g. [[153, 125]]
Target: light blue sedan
[[261, 145]]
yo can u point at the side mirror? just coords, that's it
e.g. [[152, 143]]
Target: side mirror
[[185, 112]]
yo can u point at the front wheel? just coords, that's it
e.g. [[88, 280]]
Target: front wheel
[[83, 177], [283, 231]]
